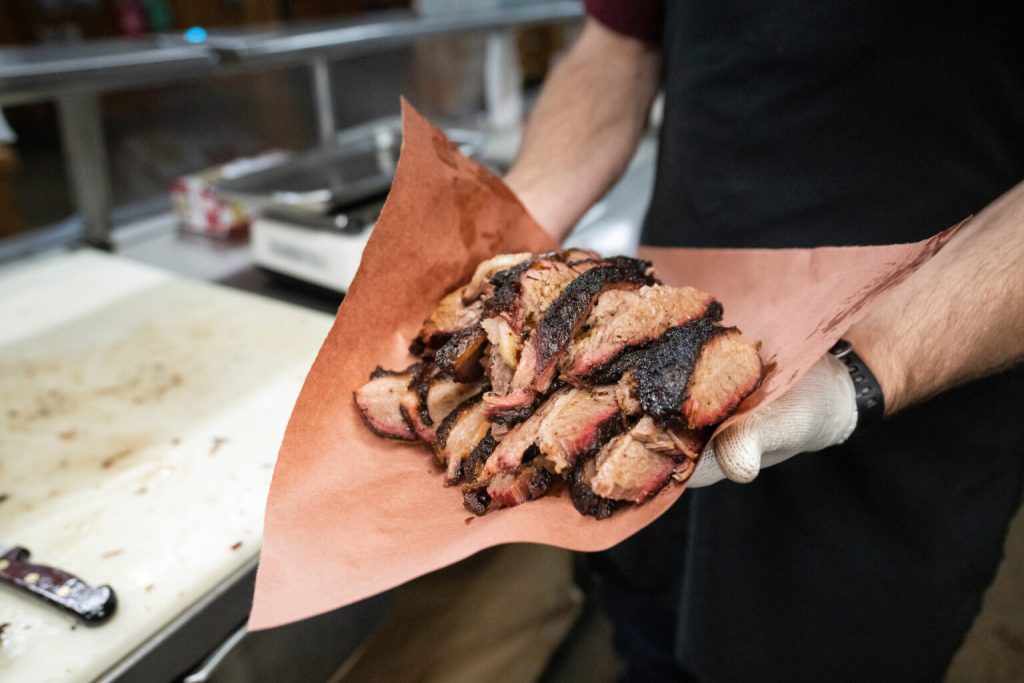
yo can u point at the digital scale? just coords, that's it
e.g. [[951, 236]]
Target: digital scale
[[315, 213]]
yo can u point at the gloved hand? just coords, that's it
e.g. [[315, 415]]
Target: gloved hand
[[819, 411]]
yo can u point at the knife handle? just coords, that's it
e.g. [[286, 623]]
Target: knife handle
[[58, 587]]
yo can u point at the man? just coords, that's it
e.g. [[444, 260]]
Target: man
[[799, 125]]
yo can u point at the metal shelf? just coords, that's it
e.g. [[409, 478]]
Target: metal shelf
[[75, 76]]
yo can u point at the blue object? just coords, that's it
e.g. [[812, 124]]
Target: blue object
[[195, 34]]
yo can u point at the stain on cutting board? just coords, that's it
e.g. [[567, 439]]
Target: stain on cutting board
[[89, 399]]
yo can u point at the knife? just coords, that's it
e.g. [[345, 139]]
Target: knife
[[57, 587]]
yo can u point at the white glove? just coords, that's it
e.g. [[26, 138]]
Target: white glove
[[819, 411]]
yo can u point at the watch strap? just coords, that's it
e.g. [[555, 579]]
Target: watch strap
[[867, 390]]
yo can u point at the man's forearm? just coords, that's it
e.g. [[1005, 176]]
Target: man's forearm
[[585, 127], [958, 318]]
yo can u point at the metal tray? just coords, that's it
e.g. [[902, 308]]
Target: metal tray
[[359, 167]]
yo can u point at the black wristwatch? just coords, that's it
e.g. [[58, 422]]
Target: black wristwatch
[[870, 401]]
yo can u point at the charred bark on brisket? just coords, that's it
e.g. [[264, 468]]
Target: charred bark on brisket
[[528, 483], [583, 497], [565, 315], [460, 356], [473, 464], [476, 500], [611, 371], [662, 371]]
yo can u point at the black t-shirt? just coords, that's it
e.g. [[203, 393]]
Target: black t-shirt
[[805, 124], [802, 124]]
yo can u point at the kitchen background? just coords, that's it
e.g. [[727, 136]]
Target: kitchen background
[[117, 118]]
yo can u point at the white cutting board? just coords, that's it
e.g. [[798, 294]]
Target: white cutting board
[[140, 416]]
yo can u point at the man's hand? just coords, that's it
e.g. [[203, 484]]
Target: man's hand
[[817, 412]]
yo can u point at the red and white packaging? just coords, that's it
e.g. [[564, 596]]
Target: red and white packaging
[[202, 209]]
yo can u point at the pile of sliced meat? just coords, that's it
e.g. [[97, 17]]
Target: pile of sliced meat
[[565, 367]]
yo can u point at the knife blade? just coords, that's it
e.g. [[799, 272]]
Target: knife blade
[[56, 586]]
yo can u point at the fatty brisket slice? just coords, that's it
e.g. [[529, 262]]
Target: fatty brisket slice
[[431, 395], [379, 402], [458, 436], [502, 354], [635, 465]]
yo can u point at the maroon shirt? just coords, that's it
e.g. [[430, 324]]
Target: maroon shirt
[[638, 19]]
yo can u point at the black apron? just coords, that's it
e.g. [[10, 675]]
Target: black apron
[[805, 124]]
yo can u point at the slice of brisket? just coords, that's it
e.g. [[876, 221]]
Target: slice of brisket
[[570, 424], [506, 341], [458, 436], [524, 293], [583, 497], [379, 402], [564, 317], [462, 307], [431, 396], [511, 408], [635, 465], [624, 319], [480, 283], [450, 316], [584, 421], [671, 439], [521, 294], [462, 354], [625, 469], [697, 374], [511, 489], [728, 370]]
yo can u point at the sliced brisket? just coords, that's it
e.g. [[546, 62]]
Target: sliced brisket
[[450, 316], [511, 489], [627, 470], [728, 370], [583, 497], [625, 319], [570, 424], [637, 464], [480, 283], [697, 373], [458, 436], [670, 440], [566, 315], [379, 402], [431, 396], [462, 354]]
